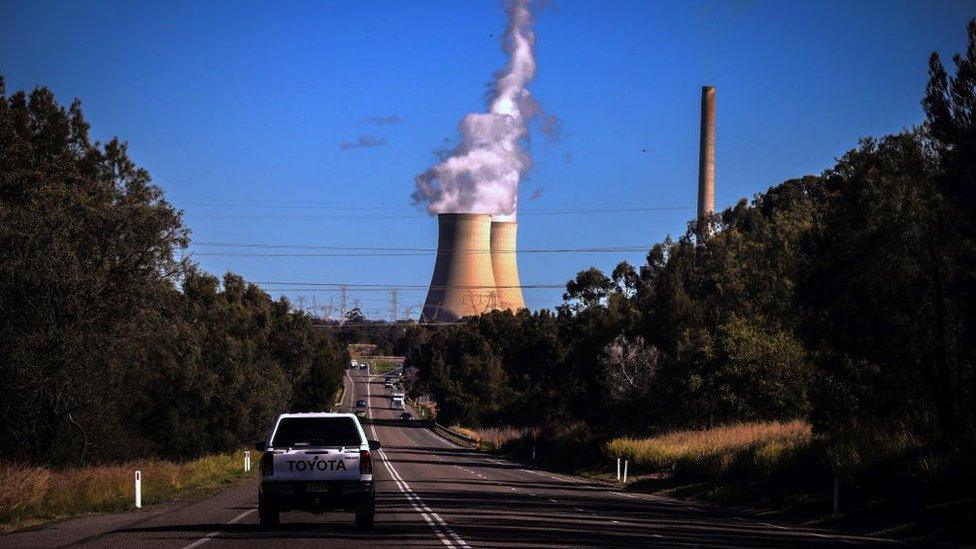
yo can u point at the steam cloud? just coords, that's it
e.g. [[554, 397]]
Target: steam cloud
[[482, 173]]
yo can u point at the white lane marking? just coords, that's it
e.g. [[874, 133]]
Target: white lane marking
[[553, 501], [216, 533], [538, 474], [438, 524]]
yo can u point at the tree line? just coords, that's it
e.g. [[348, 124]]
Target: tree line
[[112, 346], [848, 298]]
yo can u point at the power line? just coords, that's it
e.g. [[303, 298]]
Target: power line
[[412, 254], [217, 202], [420, 215], [269, 245], [371, 251], [386, 287]]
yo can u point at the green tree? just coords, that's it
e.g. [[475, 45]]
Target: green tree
[[87, 264], [589, 289]]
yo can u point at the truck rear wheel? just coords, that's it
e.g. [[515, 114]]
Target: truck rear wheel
[[268, 514], [366, 515]]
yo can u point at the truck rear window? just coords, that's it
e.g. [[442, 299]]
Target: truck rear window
[[316, 431]]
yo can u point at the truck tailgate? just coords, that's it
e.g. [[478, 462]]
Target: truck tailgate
[[319, 464]]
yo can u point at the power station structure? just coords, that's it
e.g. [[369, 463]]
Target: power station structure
[[504, 266], [706, 154], [475, 270]]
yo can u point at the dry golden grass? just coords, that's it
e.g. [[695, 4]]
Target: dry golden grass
[[29, 495], [754, 447], [493, 438]]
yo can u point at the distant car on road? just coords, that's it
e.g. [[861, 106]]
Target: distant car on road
[[361, 414], [363, 365], [317, 462], [406, 416], [361, 404]]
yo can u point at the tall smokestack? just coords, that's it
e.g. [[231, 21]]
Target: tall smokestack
[[463, 282], [504, 265], [706, 154]]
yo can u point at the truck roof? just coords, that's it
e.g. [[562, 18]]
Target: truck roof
[[359, 427], [316, 414]]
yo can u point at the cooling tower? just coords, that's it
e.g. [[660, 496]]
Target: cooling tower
[[706, 154], [504, 265], [463, 283]]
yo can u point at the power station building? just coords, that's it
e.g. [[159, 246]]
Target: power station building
[[475, 270]]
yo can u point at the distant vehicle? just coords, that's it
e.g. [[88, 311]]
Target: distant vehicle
[[388, 384], [354, 364], [361, 404], [397, 402], [317, 462], [361, 414], [406, 416], [363, 365]]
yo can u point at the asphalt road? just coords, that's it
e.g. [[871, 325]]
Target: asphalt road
[[433, 493]]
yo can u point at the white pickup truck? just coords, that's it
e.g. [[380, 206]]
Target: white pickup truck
[[317, 462]]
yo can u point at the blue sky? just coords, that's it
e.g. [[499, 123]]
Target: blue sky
[[238, 110]]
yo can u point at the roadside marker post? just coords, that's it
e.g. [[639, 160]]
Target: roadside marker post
[[138, 489], [533, 452], [626, 462], [618, 469], [247, 461]]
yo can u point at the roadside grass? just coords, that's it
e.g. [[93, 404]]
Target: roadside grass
[[495, 438], [892, 483], [338, 397], [425, 410], [31, 495], [744, 450], [383, 366]]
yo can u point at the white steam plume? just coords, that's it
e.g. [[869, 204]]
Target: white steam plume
[[482, 173]]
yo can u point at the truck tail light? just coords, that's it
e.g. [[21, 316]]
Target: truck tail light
[[267, 464], [365, 463]]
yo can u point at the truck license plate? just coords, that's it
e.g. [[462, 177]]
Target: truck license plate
[[318, 487]]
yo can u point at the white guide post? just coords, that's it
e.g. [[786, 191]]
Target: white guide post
[[618, 468], [247, 461], [138, 489], [626, 462]]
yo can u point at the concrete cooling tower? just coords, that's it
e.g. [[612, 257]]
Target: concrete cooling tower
[[463, 282], [504, 265]]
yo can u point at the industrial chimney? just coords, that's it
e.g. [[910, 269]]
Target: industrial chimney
[[505, 267], [706, 154], [463, 283]]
